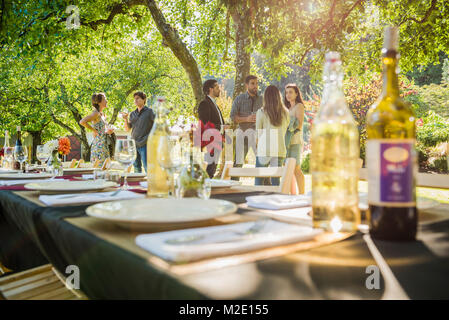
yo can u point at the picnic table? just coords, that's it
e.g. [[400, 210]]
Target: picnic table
[[112, 266]]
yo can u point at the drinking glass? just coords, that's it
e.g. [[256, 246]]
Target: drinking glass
[[169, 156], [125, 153], [21, 155], [42, 154], [9, 156]]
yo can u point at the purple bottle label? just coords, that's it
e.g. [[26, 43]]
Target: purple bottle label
[[396, 172], [391, 166]]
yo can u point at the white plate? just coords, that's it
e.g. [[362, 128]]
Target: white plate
[[78, 169], [421, 202], [218, 183], [70, 186], [2, 171], [135, 175], [144, 213], [24, 176]]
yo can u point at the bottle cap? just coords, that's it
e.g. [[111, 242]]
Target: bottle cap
[[391, 38], [18, 128]]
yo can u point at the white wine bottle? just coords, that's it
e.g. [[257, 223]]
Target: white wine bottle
[[335, 156], [156, 176], [391, 156]]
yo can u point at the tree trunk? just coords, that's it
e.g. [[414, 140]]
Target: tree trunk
[[242, 26], [179, 49], [37, 140]]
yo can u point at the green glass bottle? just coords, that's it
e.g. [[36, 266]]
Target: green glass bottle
[[391, 156]]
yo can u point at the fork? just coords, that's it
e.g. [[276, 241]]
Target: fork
[[102, 195], [255, 228]]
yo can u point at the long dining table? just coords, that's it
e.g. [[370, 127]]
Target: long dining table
[[112, 266]]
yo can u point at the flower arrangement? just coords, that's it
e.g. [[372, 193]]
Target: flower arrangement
[[57, 147], [60, 146]]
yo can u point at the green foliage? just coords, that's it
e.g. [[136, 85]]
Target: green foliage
[[432, 97], [305, 164], [431, 73], [445, 71], [434, 129]]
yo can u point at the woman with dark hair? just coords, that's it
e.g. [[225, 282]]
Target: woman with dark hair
[[99, 148], [271, 124], [294, 137]]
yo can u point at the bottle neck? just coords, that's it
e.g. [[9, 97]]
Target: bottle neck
[[19, 138], [6, 145], [390, 74]]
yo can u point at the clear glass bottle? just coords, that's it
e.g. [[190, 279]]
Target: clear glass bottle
[[5, 145], [156, 176], [391, 156], [193, 177], [334, 157]]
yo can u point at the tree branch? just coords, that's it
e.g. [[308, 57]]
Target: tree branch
[[426, 15], [63, 125]]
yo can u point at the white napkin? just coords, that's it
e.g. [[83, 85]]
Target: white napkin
[[23, 181], [278, 201], [144, 184], [56, 200], [87, 176], [222, 240]]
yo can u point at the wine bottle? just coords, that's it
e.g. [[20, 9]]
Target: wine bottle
[[335, 156], [6, 145], [18, 144], [391, 155], [156, 176]]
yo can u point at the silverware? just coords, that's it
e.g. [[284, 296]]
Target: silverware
[[255, 228], [97, 195]]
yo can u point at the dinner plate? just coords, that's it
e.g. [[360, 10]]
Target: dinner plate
[[3, 170], [219, 183], [78, 170], [144, 213], [70, 186], [422, 203], [24, 176]]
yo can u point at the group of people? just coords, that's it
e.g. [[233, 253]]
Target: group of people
[[270, 125], [139, 122]]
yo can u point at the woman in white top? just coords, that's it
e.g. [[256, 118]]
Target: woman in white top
[[294, 137], [271, 124]]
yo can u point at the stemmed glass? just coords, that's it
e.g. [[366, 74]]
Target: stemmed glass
[[169, 156], [125, 153], [21, 155], [42, 154], [9, 156]]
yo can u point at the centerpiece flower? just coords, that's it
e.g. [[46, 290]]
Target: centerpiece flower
[[55, 148]]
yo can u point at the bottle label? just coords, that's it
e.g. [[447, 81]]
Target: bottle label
[[391, 172]]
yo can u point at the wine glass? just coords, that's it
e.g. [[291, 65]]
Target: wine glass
[[9, 156], [169, 156], [21, 155], [42, 154], [125, 153], [124, 111]]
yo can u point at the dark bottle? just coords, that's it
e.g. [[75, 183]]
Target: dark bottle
[[391, 155], [18, 144]]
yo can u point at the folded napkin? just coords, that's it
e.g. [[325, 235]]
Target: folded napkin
[[200, 243], [278, 201], [87, 176], [144, 184], [23, 181], [82, 198]]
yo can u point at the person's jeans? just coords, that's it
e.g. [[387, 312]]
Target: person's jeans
[[141, 158], [268, 162]]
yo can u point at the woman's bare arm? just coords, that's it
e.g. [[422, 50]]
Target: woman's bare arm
[[91, 117], [300, 115]]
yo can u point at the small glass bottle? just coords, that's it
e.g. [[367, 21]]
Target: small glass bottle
[[335, 156], [192, 178], [5, 145]]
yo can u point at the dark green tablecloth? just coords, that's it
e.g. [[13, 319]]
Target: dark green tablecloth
[[31, 235]]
